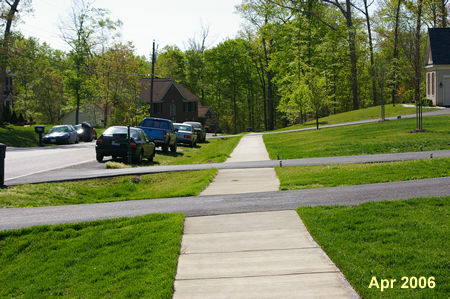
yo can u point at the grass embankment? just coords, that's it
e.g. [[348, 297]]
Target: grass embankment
[[386, 137], [305, 177], [387, 240], [357, 115], [159, 185], [121, 258], [20, 136], [213, 151]]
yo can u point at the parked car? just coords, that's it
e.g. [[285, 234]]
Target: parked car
[[114, 142], [198, 127], [185, 134], [161, 132], [64, 134], [86, 132]]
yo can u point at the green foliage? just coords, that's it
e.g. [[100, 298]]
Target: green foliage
[[389, 240], [127, 257]]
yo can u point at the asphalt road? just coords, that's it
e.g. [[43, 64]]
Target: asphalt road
[[97, 170], [22, 162], [225, 204]]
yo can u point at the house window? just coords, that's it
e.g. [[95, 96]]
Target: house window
[[428, 84], [189, 106], [433, 79], [157, 108]]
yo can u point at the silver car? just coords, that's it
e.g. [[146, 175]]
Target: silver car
[[185, 134]]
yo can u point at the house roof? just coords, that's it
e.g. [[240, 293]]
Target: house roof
[[160, 88], [205, 112], [439, 45]]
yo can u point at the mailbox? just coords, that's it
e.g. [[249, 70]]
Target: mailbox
[[39, 129]]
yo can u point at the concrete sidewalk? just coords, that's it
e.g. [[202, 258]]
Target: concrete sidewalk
[[236, 181], [253, 255]]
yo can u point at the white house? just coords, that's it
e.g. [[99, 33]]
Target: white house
[[437, 66]]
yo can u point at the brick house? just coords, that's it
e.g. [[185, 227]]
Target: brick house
[[437, 66], [173, 101]]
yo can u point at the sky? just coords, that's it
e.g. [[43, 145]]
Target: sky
[[168, 22]]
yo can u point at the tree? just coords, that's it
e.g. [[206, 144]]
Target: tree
[[81, 33], [8, 12]]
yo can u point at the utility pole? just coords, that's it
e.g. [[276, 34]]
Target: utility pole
[[152, 79]]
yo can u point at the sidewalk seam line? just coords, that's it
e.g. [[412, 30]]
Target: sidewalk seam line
[[255, 276], [250, 250]]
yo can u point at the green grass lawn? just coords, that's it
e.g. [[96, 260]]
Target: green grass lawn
[[120, 258], [385, 137], [356, 115], [20, 136], [159, 185], [305, 177], [213, 151], [387, 240]]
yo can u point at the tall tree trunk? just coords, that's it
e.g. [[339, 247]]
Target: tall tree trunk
[[372, 64], [353, 58], [395, 60], [269, 86], [4, 52], [417, 64], [443, 14]]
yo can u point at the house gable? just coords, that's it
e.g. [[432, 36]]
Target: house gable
[[438, 46]]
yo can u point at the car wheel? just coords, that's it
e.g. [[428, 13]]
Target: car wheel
[[150, 159], [99, 157], [165, 148], [138, 159], [173, 148]]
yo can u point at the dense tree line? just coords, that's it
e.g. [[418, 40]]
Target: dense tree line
[[292, 60]]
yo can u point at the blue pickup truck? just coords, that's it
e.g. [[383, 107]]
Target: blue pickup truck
[[161, 132]]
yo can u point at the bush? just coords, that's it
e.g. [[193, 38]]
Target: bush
[[427, 102]]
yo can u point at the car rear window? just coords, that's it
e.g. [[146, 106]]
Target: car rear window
[[115, 130], [195, 125], [183, 128], [154, 123]]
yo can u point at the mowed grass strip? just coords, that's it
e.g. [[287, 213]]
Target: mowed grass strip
[[121, 258], [387, 240], [385, 137], [159, 185], [213, 151], [360, 114], [305, 177]]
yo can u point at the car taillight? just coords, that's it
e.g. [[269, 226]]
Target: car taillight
[[187, 136], [165, 134], [133, 144], [99, 141]]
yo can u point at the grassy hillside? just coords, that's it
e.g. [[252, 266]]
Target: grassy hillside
[[356, 115], [384, 137], [20, 136]]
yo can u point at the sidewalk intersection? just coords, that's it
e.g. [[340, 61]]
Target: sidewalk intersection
[[253, 255]]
